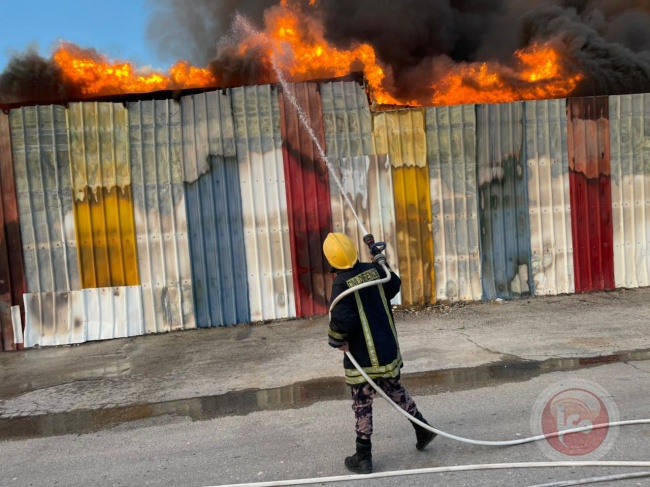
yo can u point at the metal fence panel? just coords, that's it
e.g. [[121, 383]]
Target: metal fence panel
[[103, 203], [451, 145], [401, 135], [366, 177], [503, 201], [214, 206], [258, 137], [39, 140], [629, 125], [549, 197], [155, 140], [64, 318], [591, 193], [308, 199], [12, 274]]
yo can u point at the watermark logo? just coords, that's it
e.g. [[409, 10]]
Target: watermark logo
[[569, 405]]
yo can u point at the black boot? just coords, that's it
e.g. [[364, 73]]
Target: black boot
[[361, 461], [422, 436]]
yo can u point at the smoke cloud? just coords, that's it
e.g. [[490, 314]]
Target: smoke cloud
[[417, 40], [608, 41]]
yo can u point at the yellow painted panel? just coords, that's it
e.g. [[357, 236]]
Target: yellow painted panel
[[99, 146], [106, 238], [401, 134], [414, 234], [103, 204]]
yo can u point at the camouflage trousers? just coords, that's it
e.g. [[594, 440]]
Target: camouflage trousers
[[363, 395]]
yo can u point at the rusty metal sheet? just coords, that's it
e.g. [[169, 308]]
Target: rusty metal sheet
[[214, 206], [258, 139], [451, 145], [401, 135], [629, 126], [503, 201], [549, 197], [366, 177], [155, 140], [591, 194], [308, 199], [42, 170], [64, 318], [103, 203], [12, 276]]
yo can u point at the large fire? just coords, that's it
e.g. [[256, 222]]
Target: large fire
[[295, 42]]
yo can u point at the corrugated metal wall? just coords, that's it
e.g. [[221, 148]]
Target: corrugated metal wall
[[63, 318], [365, 177], [42, 170], [214, 208], [629, 125], [12, 276], [223, 201], [264, 202], [591, 194], [401, 135], [549, 197], [103, 202], [503, 201], [451, 146], [308, 199], [155, 139]]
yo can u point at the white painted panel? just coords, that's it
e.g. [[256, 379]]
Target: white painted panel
[[155, 138], [71, 317], [264, 202], [549, 197], [39, 140], [451, 147], [629, 125]]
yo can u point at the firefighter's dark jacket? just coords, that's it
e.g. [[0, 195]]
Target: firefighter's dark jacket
[[364, 319]]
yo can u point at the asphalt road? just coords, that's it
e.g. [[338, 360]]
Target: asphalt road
[[312, 442]]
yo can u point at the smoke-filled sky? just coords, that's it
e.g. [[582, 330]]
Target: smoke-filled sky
[[606, 40]]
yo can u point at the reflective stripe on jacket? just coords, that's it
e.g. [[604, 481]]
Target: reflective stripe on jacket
[[364, 320]]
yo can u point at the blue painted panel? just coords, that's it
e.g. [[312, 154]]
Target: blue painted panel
[[503, 202], [214, 207]]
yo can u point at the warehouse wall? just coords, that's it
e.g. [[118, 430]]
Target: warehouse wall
[[209, 210]]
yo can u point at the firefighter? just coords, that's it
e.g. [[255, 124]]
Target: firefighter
[[362, 323]]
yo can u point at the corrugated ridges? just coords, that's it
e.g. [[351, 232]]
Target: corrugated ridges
[[503, 201], [214, 206], [103, 202], [308, 199], [258, 139], [451, 147], [591, 197], [401, 135], [629, 125], [549, 197], [155, 140], [12, 276]]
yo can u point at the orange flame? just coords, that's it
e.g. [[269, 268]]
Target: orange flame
[[294, 41], [540, 75], [96, 75]]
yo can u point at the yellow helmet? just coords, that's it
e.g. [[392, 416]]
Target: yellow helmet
[[340, 251]]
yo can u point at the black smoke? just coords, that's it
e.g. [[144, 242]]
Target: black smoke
[[608, 40], [30, 77]]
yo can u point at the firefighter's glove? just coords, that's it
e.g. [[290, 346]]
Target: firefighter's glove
[[380, 260]]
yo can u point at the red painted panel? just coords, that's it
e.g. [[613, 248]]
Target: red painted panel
[[308, 199], [12, 274], [591, 196]]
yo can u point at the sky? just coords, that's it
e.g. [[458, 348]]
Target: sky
[[114, 27]]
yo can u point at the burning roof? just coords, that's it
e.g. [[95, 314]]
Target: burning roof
[[412, 52]]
